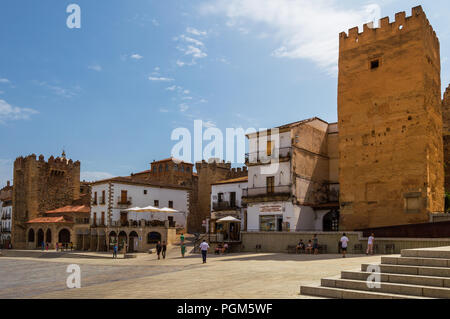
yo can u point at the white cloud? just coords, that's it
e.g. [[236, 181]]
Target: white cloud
[[3, 80], [180, 63], [187, 98], [95, 67], [171, 88], [67, 93], [196, 32], [304, 29], [160, 79], [192, 40], [208, 124], [186, 92], [183, 107], [197, 53], [136, 56], [11, 113], [95, 176], [163, 110]]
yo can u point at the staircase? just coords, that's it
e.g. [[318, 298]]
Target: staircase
[[415, 274]]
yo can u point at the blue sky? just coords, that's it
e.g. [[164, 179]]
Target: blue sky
[[111, 92]]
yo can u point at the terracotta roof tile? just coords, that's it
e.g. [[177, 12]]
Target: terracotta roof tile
[[233, 180], [49, 220], [70, 209]]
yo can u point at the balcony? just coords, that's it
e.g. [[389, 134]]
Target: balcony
[[97, 222], [224, 205], [123, 202], [261, 157], [264, 194]]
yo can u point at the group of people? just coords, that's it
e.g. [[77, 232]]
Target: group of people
[[343, 244], [221, 249], [311, 247], [58, 246]]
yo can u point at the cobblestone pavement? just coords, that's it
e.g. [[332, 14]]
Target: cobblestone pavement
[[243, 275]]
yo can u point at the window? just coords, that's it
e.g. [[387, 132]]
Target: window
[[220, 195], [103, 219], [374, 64], [123, 196], [175, 167], [413, 203], [232, 199], [167, 167], [269, 148], [267, 223], [160, 168], [270, 182], [145, 192], [103, 197], [182, 168], [170, 204], [188, 169], [156, 203]]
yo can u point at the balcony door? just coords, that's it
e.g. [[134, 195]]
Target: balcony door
[[233, 199], [270, 182], [123, 197]]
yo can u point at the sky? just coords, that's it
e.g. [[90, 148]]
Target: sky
[[111, 92]]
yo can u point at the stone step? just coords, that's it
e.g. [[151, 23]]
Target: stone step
[[338, 293], [412, 270], [415, 261], [437, 252], [400, 278], [386, 287]]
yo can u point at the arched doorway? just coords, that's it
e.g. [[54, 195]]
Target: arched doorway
[[133, 241], [48, 236], [331, 221], [40, 238], [64, 236], [153, 237], [122, 239], [31, 235], [112, 239]]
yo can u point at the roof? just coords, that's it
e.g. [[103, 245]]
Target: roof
[[129, 180], [70, 209], [233, 180], [171, 159], [48, 220], [289, 125]]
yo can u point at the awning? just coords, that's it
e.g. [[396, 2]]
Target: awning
[[228, 219]]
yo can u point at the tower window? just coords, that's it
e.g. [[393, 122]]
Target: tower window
[[375, 64]]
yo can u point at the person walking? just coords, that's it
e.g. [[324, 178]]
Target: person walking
[[164, 249], [183, 249], [182, 238], [344, 243], [158, 249], [46, 246], [204, 248], [315, 244], [370, 244], [43, 245], [115, 248]]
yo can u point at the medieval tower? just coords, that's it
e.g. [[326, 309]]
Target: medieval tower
[[40, 186], [446, 133], [390, 123]]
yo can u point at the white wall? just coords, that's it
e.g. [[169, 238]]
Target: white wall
[[226, 189], [139, 199]]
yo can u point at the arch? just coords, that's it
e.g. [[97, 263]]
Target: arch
[[64, 236], [330, 221], [133, 234], [40, 237], [153, 237], [122, 239], [31, 235], [132, 241], [48, 236]]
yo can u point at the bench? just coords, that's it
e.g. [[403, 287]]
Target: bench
[[258, 247], [323, 249], [389, 248]]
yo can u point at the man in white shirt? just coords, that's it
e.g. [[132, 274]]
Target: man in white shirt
[[344, 244], [370, 244], [204, 248]]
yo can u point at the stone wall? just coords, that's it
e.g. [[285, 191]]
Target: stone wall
[[446, 133], [390, 123], [279, 242]]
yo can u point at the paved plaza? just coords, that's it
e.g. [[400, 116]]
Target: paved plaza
[[34, 274]]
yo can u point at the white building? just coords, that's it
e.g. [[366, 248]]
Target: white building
[[111, 198], [226, 200], [6, 215], [292, 178]]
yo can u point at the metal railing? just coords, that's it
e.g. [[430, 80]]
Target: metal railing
[[267, 191], [224, 205], [98, 222], [124, 202], [262, 156]]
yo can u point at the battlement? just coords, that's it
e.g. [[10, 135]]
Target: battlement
[[446, 98], [59, 163], [386, 29], [212, 163]]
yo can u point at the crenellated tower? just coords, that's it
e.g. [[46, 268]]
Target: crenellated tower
[[41, 186], [390, 123]]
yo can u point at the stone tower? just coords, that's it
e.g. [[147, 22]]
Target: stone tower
[[446, 133], [390, 123], [41, 186]]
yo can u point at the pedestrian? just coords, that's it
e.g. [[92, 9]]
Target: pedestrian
[[204, 248], [115, 250], [183, 249], [43, 245], [56, 246], [344, 243], [158, 249], [182, 238], [71, 246], [315, 244], [370, 244], [164, 249], [46, 246]]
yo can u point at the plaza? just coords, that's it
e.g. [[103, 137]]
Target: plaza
[[37, 274]]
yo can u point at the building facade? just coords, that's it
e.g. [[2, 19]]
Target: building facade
[[226, 200], [390, 123], [292, 177], [6, 215]]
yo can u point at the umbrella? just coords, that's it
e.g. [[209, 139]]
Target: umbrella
[[149, 209], [168, 210], [228, 219], [134, 209]]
